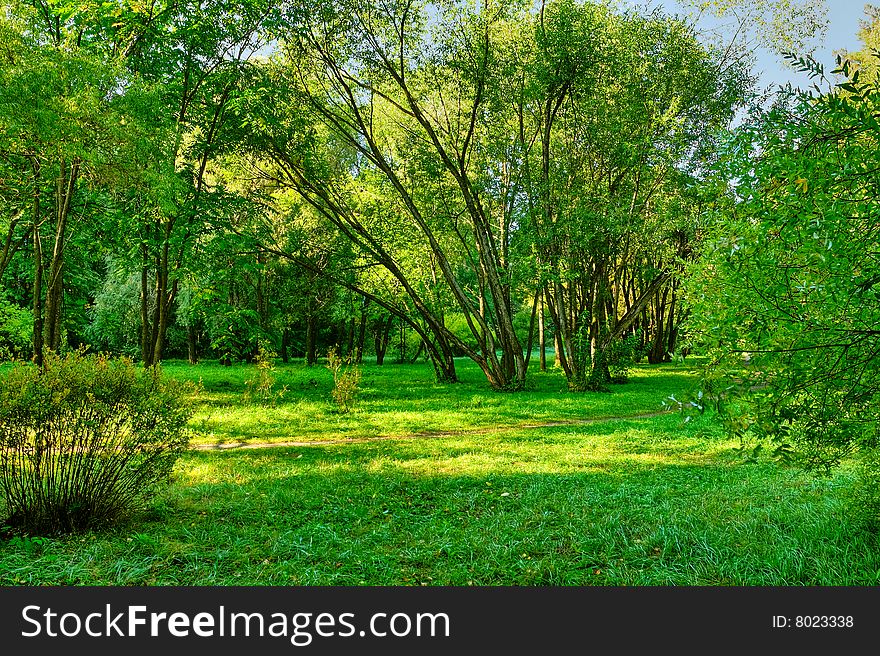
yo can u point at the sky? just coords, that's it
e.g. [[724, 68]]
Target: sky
[[844, 16]]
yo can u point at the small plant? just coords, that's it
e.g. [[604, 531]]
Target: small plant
[[346, 379], [261, 388], [85, 440]]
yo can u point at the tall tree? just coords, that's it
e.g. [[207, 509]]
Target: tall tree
[[785, 294], [401, 95], [59, 127], [614, 112]]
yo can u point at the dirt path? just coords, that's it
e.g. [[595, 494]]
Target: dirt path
[[225, 446]]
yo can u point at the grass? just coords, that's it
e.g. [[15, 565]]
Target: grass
[[619, 502], [403, 400]]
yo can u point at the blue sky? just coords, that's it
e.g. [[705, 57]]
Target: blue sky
[[844, 16]]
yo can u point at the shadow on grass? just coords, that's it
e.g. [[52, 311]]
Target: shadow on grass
[[613, 504]]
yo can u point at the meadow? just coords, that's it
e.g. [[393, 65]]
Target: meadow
[[427, 484]]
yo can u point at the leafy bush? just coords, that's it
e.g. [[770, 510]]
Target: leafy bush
[[261, 388], [16, 327], [346, 379], [115, 315], [785, 293], [235, 333], [86, 440], [622, 356], [864, 496]]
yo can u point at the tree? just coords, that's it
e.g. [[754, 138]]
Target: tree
[[376, 107], [866, 59], [616, 115], [196, 56], [789, 278], [59, 128]]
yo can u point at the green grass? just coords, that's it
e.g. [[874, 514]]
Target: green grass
[[403, 400], [622, 502]]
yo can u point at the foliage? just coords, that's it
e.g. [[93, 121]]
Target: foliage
[[346, 379], [623, 353], [261, 388], [114, 324], [776, 25], [785, 295], [86, 440], [16, 325], [864, 495], [235, 332]]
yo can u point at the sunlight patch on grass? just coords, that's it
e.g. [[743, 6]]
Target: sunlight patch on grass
[[404, 399]]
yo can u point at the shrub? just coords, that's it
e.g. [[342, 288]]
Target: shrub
[[346, 380], [261, 388], [86, 440], [16, 327], [864, 496], [622, 356]]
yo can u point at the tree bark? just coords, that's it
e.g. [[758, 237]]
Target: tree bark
[[382, 337], [311, 337], [38, 272], [542, 345], [192, 344], [361, 332], [64, 190]]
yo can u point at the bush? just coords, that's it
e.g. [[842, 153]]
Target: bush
[[16, 328], [346, 380], [86, 440], [864, 496], [261, 388], [622, 355]]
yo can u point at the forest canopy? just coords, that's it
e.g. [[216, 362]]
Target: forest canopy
[[473, 180]]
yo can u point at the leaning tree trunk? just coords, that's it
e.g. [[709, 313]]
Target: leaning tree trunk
[[311, 336], [64, 189], [382, 337], [38, 273]]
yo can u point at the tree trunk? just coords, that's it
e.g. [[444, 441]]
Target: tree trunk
[[658, 352], [382, 338], [38, 274], [671, 330], [192, 344], [349, 337], [285, 340], [401, 344], [311, 337], [361, 333], [64, 189], [542, 345], [146, 342], [444, 366], [530, 343]]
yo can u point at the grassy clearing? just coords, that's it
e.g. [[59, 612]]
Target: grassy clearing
[[625, 502], [402, 400]]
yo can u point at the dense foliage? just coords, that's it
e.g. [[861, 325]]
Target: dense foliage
[[787, 294], [85, 440], [438, 179]]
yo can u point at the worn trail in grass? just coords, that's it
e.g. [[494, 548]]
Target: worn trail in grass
[[400, 400], [422, 435]]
